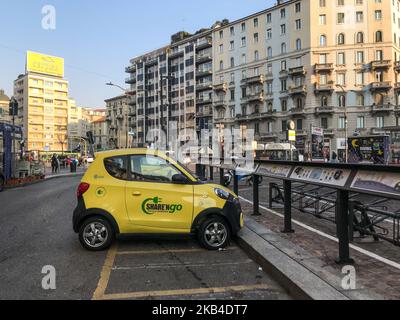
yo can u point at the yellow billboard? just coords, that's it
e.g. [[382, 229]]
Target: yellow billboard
[[44, 64]]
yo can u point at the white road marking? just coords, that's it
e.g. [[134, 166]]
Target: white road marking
[[323, 234]]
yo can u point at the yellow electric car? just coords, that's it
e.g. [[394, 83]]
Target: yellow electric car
[[142, 192]]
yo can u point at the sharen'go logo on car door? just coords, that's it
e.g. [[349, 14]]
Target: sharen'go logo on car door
[[154, 205]]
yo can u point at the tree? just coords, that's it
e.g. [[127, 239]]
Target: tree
[[62, 139]]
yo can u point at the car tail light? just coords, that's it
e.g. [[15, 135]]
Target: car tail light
[[83, 187]]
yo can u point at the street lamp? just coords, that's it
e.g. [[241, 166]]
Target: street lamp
[[346, 123], [168, 78], [126, 115]]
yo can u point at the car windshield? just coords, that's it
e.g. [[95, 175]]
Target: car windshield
[[188, 170]]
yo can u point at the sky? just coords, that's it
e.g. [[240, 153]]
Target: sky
[[97, 38]]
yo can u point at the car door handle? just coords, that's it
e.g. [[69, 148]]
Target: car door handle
[[136, 194]]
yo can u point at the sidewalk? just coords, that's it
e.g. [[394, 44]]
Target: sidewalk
[[304, 261], [63, 173]]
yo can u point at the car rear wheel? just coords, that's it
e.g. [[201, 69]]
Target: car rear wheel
[[96, 234], [214, 234]]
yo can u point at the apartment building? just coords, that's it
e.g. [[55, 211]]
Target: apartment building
[[118, 122], [42, 95], [100, 134], [324, 63], [178, 78], [4, 107]]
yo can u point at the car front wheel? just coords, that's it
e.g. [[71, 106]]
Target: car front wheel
[[96, 234], [214, 234]]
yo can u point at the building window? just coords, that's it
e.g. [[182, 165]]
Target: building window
[[360, 37], [324, 101], [298, 44], [322, 40], [380, 122], [360, 100], [342, 123], [341, 38], [360, 122], [342, 101], [378, 36], [324, 123]]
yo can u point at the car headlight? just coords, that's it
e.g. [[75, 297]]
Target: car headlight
[[222, 194]]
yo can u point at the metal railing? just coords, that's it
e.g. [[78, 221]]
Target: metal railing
[[336, 203]]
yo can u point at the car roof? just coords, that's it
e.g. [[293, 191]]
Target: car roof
[[123, 152]]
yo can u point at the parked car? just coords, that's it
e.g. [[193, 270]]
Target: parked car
[[142, 191]]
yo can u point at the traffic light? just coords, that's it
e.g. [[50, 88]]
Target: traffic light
[[13, 107]]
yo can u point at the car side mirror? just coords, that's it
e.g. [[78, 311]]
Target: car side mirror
[[179, 179]]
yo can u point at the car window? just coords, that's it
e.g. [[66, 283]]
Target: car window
[[116, 167], [151, 169]]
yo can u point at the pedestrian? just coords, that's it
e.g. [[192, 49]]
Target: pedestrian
[[334, 158], [54, 163]]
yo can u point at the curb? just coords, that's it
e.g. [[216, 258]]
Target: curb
[[299, 281], [43, 180]]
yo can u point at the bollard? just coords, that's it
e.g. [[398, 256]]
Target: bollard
[[211, 173], [256, 199], [270, 195], [351, 221], [235, 183], [342, 221], [287, 187], [199, 170], [221, 176]]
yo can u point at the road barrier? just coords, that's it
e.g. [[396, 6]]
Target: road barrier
[[334, 186]]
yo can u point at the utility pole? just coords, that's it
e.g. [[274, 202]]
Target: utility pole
[[345, 124], [13, 111], [162, 124]]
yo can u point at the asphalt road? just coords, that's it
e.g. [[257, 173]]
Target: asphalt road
[[36, 231]]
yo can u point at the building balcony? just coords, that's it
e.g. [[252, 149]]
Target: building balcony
[[329, 132], [380, 86], [204, 86], [201, 101], [269, 115], [297, 112], [221, 87], [323, 67], [255, 97], [130, 69], [130, 80], [298, 90], [203, 73], [204, 114], [248, 117], [203, 43], [377, 131], [268, 136], [323, 88], [256, 79], [381, 64], [202, 58], [132, 103], [151, 61], [324, 110], [301, 133], [385, 108], [219, 104], [397, 66], [297, 71]]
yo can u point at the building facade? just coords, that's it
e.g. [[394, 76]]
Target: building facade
[[178, 79], [43, 110], [4, 107], [325, 63], [118, 122], [100, 134]]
